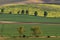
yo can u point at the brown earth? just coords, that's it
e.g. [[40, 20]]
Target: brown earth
[[12, 22]]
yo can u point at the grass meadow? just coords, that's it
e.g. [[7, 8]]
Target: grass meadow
[[46, 29]]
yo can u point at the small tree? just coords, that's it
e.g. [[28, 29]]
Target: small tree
[[2, 10], [10, 12], [45, 13], [27, 12], [22, 12], [36, 31], [18, 12], [35, 13], [21, 31]]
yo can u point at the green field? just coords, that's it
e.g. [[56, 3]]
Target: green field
[[53, 10], [46, 29], [27, 18], [10, 30]]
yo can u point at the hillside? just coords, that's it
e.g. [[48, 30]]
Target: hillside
[[53, 10]]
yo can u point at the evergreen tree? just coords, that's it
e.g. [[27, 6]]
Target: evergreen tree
[[22, 12], [18, 12], [10, 12], [35, 13], [27, 12], [2, 10], [45, 13]]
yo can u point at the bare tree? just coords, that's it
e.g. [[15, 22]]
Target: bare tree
[[35, 13], [21, 31], [36, 31]]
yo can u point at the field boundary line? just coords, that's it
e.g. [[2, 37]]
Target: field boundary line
[[12, 22]]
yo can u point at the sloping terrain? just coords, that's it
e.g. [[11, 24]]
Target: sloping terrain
[[52, 9]]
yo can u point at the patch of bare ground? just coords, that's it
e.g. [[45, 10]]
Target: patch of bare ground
[[3, 38], [12, 22], [17, 37]]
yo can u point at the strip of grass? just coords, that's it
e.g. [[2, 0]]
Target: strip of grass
[[27, 18], [11, 29]]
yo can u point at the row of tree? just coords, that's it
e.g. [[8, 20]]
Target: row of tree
[[23, 12], [35, 31]]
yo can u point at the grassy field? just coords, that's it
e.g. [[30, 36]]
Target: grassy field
[[9, 30], [27, 18], [53, 10], [46, 29]]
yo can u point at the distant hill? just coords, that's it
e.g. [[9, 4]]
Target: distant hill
[[28, 1]]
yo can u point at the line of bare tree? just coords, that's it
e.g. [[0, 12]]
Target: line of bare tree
[[23, 12]]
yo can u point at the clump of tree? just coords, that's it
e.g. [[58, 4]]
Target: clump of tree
[[45, 13], [27, 12], [22, 12], [35, 13], [36, 31], [21, 31]]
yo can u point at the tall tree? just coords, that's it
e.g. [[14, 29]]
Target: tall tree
[[18, 12], [35, 13], [45, 13], [2, 10], [27, 12], [10, 12], [22, 12]]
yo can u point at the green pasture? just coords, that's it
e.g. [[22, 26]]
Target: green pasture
[[27, 18], [46, 29], [53, 10]]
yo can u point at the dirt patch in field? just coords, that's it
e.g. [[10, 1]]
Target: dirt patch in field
[[2, 38], [12, 22], [8, 38]]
